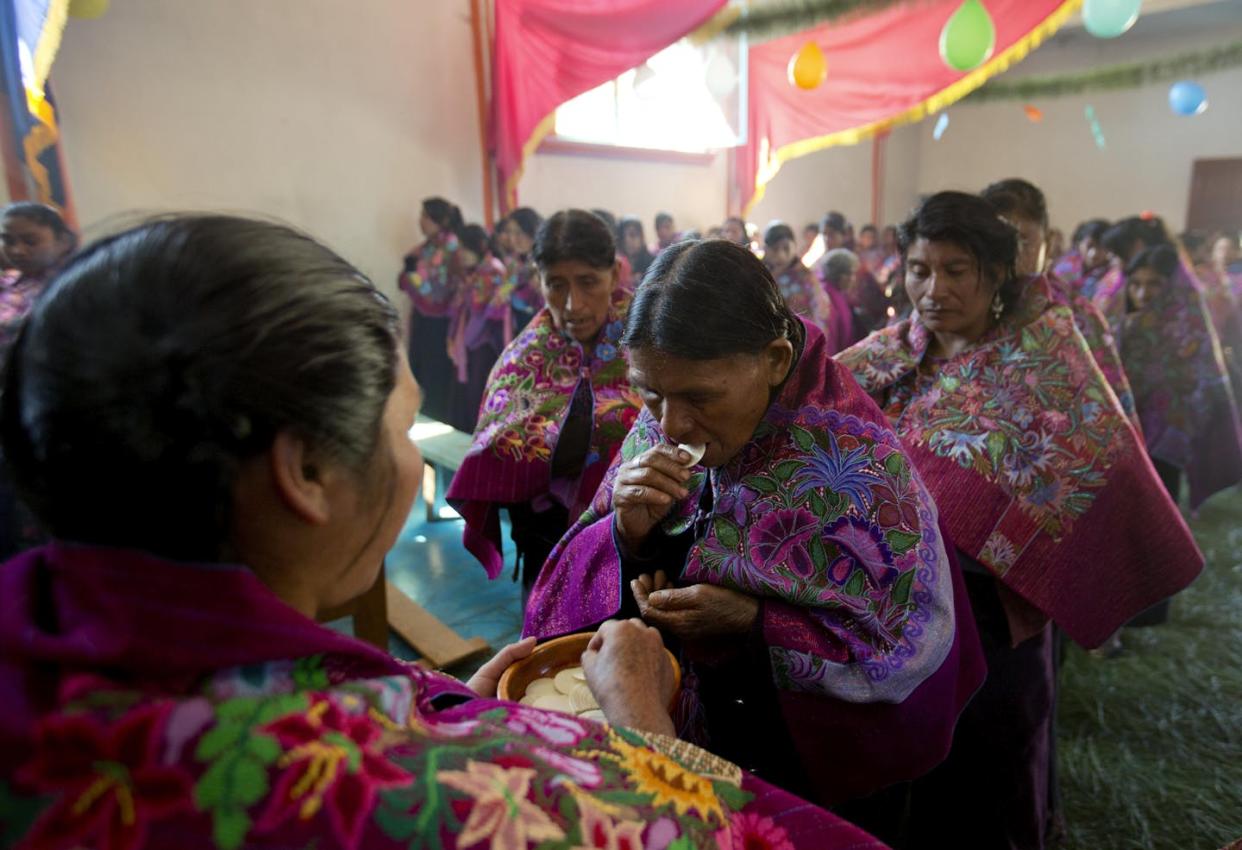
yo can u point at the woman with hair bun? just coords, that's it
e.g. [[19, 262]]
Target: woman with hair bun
[[766, 518]]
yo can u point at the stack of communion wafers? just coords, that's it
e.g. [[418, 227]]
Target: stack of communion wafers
[[567, 691]]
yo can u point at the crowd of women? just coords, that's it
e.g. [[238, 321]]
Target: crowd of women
[[861, 489]]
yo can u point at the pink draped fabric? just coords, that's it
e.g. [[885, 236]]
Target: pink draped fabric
[[548, 51], [883, 70]]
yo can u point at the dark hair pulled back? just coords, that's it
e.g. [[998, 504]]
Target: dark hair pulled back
[[163, 357], [704, 300], [974, 225], [444, 213], [575, 235], [42, 215]]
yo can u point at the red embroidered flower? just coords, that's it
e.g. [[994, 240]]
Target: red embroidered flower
[[333, 764], [751, 831], [110, 782]]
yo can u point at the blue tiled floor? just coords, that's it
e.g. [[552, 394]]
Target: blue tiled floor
[[432, 567]]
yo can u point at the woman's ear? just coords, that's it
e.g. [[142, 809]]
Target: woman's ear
[[300, 479], [779, 357]]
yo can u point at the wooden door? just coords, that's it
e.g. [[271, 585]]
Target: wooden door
[[1215, 195]]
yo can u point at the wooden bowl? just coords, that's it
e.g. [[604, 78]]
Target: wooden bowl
[[550, 658]]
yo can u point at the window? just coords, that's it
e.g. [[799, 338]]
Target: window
[[688, 97]]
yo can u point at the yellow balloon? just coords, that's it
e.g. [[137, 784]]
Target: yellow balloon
[[88, 9], [808, 68]]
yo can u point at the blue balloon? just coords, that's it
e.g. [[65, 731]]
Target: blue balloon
[[1187, 98], [1110, 18]]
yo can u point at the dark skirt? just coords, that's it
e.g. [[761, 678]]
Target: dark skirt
[[430, 362]]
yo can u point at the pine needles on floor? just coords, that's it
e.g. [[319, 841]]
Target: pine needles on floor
[[1150, 743]]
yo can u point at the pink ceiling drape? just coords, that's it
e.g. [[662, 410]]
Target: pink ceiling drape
[[549, 51], [883, 70]]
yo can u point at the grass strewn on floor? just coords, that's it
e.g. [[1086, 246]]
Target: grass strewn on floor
[[1150, 743]]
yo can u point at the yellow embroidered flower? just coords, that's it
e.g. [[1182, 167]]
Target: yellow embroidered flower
[[667, 781], [501, 813]]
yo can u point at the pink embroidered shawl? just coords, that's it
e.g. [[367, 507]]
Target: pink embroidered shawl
[[1036, 470], [527, 399], [823, 518]]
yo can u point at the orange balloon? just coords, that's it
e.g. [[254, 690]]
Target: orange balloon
[[808, 68], [1034, 113]]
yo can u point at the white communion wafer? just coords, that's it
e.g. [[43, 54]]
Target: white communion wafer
[[539, 687], [554, 702], [594, 714], [578, 673], [581, 699], [528, 699], [696, 451], [565, 681]]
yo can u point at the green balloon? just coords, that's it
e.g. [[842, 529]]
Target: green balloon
[[968, 37]]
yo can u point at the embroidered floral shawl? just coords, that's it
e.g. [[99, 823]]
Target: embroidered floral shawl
[[479, 310], [430, 284], [1099, 338], [1182, 390], [1070, 269], [1035, 468], [527, 399], [181, 705], [822, 517]]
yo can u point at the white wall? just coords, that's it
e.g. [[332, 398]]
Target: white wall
[[839, 179], [695, 194], [336, 116]]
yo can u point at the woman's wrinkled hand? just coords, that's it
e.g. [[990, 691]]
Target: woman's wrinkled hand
[[485, 680], [646, 489], [694, 612], [630, 674]]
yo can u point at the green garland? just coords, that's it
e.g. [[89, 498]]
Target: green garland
[[1111, 77], [786, 16]]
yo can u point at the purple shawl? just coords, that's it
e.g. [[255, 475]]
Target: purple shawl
[[479, 312], [1037, 472], [157, 704], [812, 301], [525, 405], [822, 517], [1182, 391]]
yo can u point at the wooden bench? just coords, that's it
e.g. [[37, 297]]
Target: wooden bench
[[444, 448], [385, 606]]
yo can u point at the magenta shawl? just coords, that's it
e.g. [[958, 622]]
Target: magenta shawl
[[1099, 338], [1036, 470], [479, 311], [1182, 391], [527, 399], [149, 704], [430, 284], [822, 517]]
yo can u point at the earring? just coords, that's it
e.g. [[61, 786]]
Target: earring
[[998, 306]]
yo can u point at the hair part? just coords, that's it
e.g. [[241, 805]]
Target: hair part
[[575, 235], [707, 300]]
